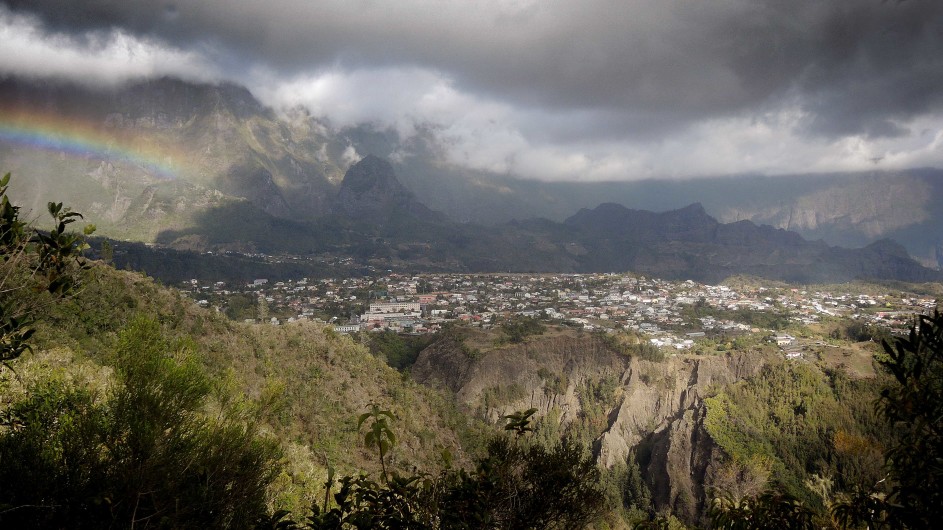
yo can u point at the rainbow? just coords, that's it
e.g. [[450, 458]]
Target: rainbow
[[80, 138]]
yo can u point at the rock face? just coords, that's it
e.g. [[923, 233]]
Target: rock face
[[658, 417], [853, 210], [215, 137], [658, 393], [678, 462], [661, 422], [544, 374]]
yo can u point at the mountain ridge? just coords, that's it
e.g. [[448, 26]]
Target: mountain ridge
[[258, 181]]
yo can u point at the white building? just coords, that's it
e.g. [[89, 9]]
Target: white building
[[394, 307], [349, 328]]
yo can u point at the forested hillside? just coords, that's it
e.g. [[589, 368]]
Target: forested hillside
[[127, 380], [136, 405]]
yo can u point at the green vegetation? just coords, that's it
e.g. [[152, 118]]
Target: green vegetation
[[857, 331], [768, 510], [758, 319], [242, 307], [904, 493], [913, 406], [518, 328], [139, 452], [514, 485], [399, 351], [553, 382], [130, 406], [139, 409], [303, 384], [792, 422], [379, 433], [38, 268], [630, 345], [628, 498], [458, 334], [498, 395]]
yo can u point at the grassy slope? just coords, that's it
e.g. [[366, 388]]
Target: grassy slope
[[309, 382]]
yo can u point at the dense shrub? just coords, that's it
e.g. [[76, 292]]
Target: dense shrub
[[518, 328], [801, 422], [516, 484], [141, 454], [913, 405]]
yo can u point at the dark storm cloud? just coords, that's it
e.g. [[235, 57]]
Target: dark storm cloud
[[590, 89], [853, 64], [875, 64]]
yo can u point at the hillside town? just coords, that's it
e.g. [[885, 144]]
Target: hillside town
[[671, 314]]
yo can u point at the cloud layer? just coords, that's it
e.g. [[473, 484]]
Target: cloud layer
[[597, 89]]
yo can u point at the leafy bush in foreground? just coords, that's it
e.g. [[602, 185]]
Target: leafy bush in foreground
[[143, 454], [515, 485]]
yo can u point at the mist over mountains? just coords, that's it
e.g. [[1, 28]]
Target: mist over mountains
[[207, 167]]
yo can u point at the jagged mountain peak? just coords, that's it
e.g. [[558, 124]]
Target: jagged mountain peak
[[371, 192], [369, 173], [693, 209]]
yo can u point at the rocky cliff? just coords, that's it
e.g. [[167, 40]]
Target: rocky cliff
[[653, 414], [658, 393], [216, 137], [659, 422], [678, 463], [545, 373]]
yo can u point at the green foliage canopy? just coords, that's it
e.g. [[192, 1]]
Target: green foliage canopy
[[143, 453], [802, 422], [914, 408], [35, 262]]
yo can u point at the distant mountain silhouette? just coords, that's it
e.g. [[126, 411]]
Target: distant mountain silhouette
[[370, 192], [688, 243]]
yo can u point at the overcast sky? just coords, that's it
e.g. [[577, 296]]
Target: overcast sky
[[554, 89]]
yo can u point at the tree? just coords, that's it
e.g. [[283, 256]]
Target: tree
[[771, 510], [262, 310], [35, 263], [379, 434], [143, 452], [914, 407], [515, 485]]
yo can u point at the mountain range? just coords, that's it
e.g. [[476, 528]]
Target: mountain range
[[208, 167]]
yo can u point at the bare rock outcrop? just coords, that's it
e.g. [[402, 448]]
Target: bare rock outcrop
[[661, 423], [543, 373], [658, 418], [657, 392], [677, 463]]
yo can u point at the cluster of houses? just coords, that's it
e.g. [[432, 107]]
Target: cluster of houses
[[659, 309]]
